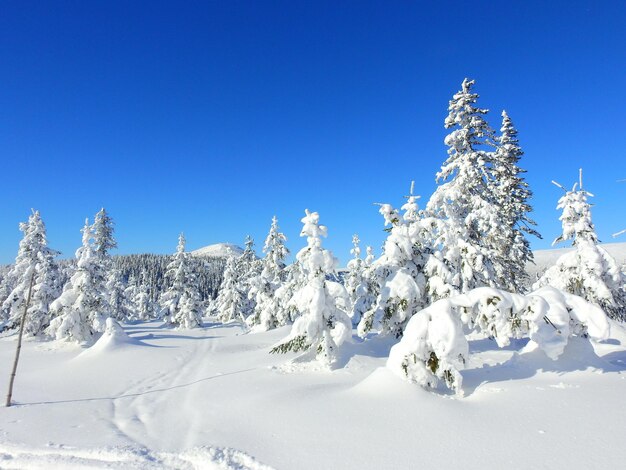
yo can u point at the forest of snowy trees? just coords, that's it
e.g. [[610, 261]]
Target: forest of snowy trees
[[456, 265]]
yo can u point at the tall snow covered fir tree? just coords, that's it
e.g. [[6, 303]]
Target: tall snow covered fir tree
[[321, 327], [588, 271], [82, 307], [34, 259], [511, 197], [467, 223], [263, 286], [102, 232], [180, 302], [103, 239]]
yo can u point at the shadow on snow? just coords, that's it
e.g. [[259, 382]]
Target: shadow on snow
[[579, 355]]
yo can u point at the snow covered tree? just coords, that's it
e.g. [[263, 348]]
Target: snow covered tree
[[511, 195], [120, 307], [248, 260], [34, 259], [322, 327], [138, 294], [180, 302], [82, 306], [434, 348], [357, 283], [286, 311], [103, 240], [263, 286], [103, 229], [248, 267], [400, 271], [588, 271], [230, 303], [466, 224]]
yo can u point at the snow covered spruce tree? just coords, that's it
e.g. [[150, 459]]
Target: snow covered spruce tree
[[140, 298], [82, 307], [466, 221], [34, 260], [357, 282], [322, 327], [286, 310], [588, 271], [120, 305], [103, 239], [230, 303], [511, 197], [400, 271], [181, 302], [264, 285], [248, 267], [102, 232]]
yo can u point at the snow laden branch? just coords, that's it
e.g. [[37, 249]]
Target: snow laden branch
[[434, 347]]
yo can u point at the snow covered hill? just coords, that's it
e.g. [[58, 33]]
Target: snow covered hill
[[218, 250], [546, 258], [214, 398]]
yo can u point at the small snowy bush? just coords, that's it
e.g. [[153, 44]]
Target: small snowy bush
[[434, 347]]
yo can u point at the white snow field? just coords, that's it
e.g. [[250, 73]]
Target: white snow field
[[214, 398]]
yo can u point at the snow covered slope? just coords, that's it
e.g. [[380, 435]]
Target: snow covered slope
[[546, 258], [218, 250], [152, 397]]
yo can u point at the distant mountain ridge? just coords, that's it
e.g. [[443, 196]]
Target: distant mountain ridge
[[218, 250]]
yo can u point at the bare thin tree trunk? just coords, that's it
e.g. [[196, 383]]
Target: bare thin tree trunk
[[19, 339]]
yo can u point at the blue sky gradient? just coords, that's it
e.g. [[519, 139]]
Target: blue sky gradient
[[211, 117]]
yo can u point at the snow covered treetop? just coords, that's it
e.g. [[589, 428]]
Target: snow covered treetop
[[311, 228], [462, 111], [390, 214], [181, 243], [576, 217], [313, 258], [410, 208], [103, 228]]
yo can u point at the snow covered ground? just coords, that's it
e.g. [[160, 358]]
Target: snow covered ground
[[213, 397]]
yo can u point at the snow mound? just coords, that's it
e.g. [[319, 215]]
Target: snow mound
[[64, 457], [113, 338], [434, 347], [218, 250]]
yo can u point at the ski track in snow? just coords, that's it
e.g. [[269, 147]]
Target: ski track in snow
[[133, 412], [124, 458]]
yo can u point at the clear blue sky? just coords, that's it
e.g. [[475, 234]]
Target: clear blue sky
[[211, 117]]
